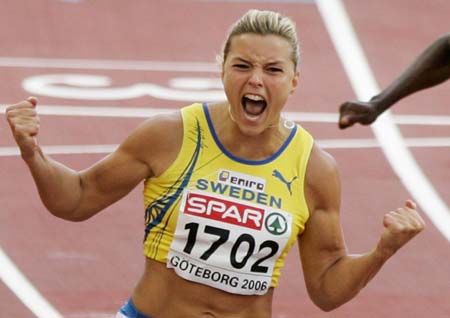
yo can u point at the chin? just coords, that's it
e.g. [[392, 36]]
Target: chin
[[252, 131]]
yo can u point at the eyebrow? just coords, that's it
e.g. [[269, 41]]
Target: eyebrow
[[275, 63], [240, 59]]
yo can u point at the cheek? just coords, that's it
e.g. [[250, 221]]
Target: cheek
[[232, 84], [280, 96], [226, 82], [230, 87], [282, 89]]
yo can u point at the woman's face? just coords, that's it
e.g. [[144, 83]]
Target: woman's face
[[258, 76]]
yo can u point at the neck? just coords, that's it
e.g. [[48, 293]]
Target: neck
[[275, 124], [251, 147]]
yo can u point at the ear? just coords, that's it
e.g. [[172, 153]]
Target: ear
[[295, 81]]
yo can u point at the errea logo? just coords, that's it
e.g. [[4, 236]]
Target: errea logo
[[241, 180]]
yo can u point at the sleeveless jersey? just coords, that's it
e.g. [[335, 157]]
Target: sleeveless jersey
[[224, 221]]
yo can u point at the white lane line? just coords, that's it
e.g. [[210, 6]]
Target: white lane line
[[84, 64], [373, 143], [263, 1], [421, 120], [95, 111], [387, 133], [24, 290], [63, 150], [359, 143], [145, 112]]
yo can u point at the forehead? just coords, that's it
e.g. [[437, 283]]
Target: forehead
[[260, 48]]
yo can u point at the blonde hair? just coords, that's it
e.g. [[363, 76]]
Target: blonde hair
[[263, 23]]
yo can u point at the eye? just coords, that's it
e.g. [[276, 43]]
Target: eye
[[275, 70], [241, 66]]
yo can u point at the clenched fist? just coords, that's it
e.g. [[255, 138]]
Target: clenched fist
[[24, 122], [400, 226], [353, 112]]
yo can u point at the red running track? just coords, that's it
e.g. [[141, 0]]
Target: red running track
[[88, 269]]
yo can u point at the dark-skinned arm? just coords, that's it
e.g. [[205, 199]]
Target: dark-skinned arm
[[430, 68]]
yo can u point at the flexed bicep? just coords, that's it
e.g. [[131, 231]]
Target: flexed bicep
[[109, 180], [145, 153], [322, 243]]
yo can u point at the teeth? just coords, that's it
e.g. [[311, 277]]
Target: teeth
[[255, 98], [251, 117]]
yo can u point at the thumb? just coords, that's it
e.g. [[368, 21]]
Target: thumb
[[411, 204], [345, 122], [32, 100]]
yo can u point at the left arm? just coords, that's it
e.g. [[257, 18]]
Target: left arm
[[333, 276]]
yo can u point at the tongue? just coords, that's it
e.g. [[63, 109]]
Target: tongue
[[253, 107]]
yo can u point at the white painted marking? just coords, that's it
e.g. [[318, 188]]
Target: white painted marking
[[24, 290], [262, 1], [373, 143], [145, 112], [422, 120], [97, 111], [196, 83], [363, 82], [359, 143], [29, 62], [95, 87], [63, 150]]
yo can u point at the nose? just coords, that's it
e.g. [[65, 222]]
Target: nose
[[256, 78]]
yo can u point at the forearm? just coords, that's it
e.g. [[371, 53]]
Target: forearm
[[59, 187], [69, 194], [431, 68], [345, 278]]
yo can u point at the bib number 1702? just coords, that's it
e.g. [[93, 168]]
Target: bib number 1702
[[267, 248]]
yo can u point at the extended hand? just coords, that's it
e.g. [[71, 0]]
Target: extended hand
[[24, 123], [356, 112], [400, 226]]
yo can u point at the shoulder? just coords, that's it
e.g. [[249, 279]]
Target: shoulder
[[156, 141], [320, 164], [156, 130], [322, 180]]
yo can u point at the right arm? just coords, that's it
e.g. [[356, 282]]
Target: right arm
[[78, 195], [430, 68]]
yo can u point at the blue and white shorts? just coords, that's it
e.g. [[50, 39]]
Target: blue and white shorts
[[129, 310]]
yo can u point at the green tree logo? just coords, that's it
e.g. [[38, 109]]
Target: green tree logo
[[276, 223]]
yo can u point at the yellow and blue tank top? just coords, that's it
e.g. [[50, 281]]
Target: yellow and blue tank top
[[224, 221]]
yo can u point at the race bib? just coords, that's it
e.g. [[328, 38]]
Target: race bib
[[228, 243]]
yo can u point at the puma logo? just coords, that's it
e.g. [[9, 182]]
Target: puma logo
[[277, 174]]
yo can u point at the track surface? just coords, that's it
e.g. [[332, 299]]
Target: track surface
[[87, 270]]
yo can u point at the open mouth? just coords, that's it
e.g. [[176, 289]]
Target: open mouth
[[254, 105]]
